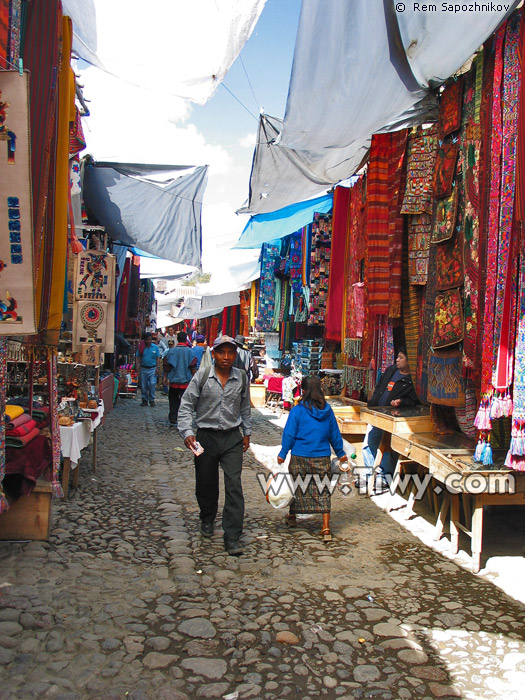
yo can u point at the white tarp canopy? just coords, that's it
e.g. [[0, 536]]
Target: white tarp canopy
[[360, 68], [184, 48]]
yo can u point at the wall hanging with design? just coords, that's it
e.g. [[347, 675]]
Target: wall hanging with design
[[93, 322], [95, 276], [446, 385], [17, 300]]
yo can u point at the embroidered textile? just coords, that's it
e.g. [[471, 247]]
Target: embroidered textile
[[445, 379], [4, 505], [359, 305], [450, 108], [320, 268], [296, 261], [503, 358], [426, 331], [419, 232], [422, 146], [516, 456], [355, 255], [449, 263], [448, 319], [493, 217], [336, 291], [269, 254], [445, 222], [446, 159], [466, 414]]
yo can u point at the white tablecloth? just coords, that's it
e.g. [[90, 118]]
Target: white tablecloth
[[74, 438]]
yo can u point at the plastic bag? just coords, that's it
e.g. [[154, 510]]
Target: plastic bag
[[279, 493]]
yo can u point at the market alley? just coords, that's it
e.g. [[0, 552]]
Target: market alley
[[127, 600]]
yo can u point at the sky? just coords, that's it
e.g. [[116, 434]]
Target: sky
[[130, 124]]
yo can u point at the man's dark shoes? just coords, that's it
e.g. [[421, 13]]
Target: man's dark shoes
[[152, 403], [143, 403], [233, 547], [207, 529]]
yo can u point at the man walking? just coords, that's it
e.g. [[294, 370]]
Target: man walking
[[148, 359], [179, 361], [220, 397]]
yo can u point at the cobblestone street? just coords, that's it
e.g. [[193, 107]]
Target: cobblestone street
[[127, 600]]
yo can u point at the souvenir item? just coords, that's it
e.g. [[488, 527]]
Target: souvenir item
[[446, 211], [446, 159], [450, 108], [448, 319], [445, 380]]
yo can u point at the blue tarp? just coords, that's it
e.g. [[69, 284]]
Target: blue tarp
[[262, 228]]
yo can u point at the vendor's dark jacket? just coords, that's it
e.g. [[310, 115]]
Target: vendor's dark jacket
[[403, 389]]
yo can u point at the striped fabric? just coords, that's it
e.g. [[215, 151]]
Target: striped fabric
[[377, 226], [520, 157], [396, 224], [313, 500]]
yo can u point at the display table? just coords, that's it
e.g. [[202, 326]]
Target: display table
[[73, 439], [448, 460], [394, 421], [351, 425], [29, 517]]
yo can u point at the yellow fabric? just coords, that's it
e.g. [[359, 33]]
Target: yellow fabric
[[13, 412], [253, 296], [66, 112]]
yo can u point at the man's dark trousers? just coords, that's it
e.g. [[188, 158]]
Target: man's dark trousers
[[174, 396], [222, 447]]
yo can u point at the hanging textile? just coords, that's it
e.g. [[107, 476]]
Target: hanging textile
[[449, 262], [17, 293], [334, 311], [445, 378], [419, 232], [450, 108], [426, 328], [396, 224], [377, 226], [444, 169], [520, 156], [319, 268], [422, 145], [445, 221], [516, 454], [448, 315], [355, 255], [296, 261], [4, 505], [270, 253]]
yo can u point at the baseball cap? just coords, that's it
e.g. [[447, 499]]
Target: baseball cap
[[200, 338], [224, 340], [239, 339]]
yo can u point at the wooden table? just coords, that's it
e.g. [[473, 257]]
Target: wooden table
[[394, 421], [448, 459], [351, 426], [73, 439]]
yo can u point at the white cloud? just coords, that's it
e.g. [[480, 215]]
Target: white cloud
[[248, 141]]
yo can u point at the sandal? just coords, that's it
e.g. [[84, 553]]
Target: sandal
[[291, 520], [325, 534]]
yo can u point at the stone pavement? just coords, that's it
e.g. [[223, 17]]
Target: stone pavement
[[127, 600]]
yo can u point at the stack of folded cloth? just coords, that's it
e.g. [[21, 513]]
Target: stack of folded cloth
[[21, 429]]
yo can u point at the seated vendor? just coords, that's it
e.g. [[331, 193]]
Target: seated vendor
[[394, 388]]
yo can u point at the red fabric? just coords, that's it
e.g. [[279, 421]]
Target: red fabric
[[22, 441], [397, 182], [20, 420], [377, 226], [123, 294], [520, 156], [275, 384], [22, 430], [30, 463], [334, 311]]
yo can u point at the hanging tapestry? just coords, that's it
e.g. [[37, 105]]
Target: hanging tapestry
[[448, 319], [449, 263], [469, 164], [269, 254], [377, 226], [296, 261], [396, 224], [443, 179], [422, 145], [466, 414], [516, 455], [17, 289], [445, 222], [450, 108], [505, 305], [95, 276], [90, 320], [493, 217], [445, 379], [426, 328], [334, 311], [354, 254], [419, 231], [320, 268]]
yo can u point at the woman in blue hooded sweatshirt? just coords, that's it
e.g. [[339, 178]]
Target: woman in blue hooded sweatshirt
[[309, 432]]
